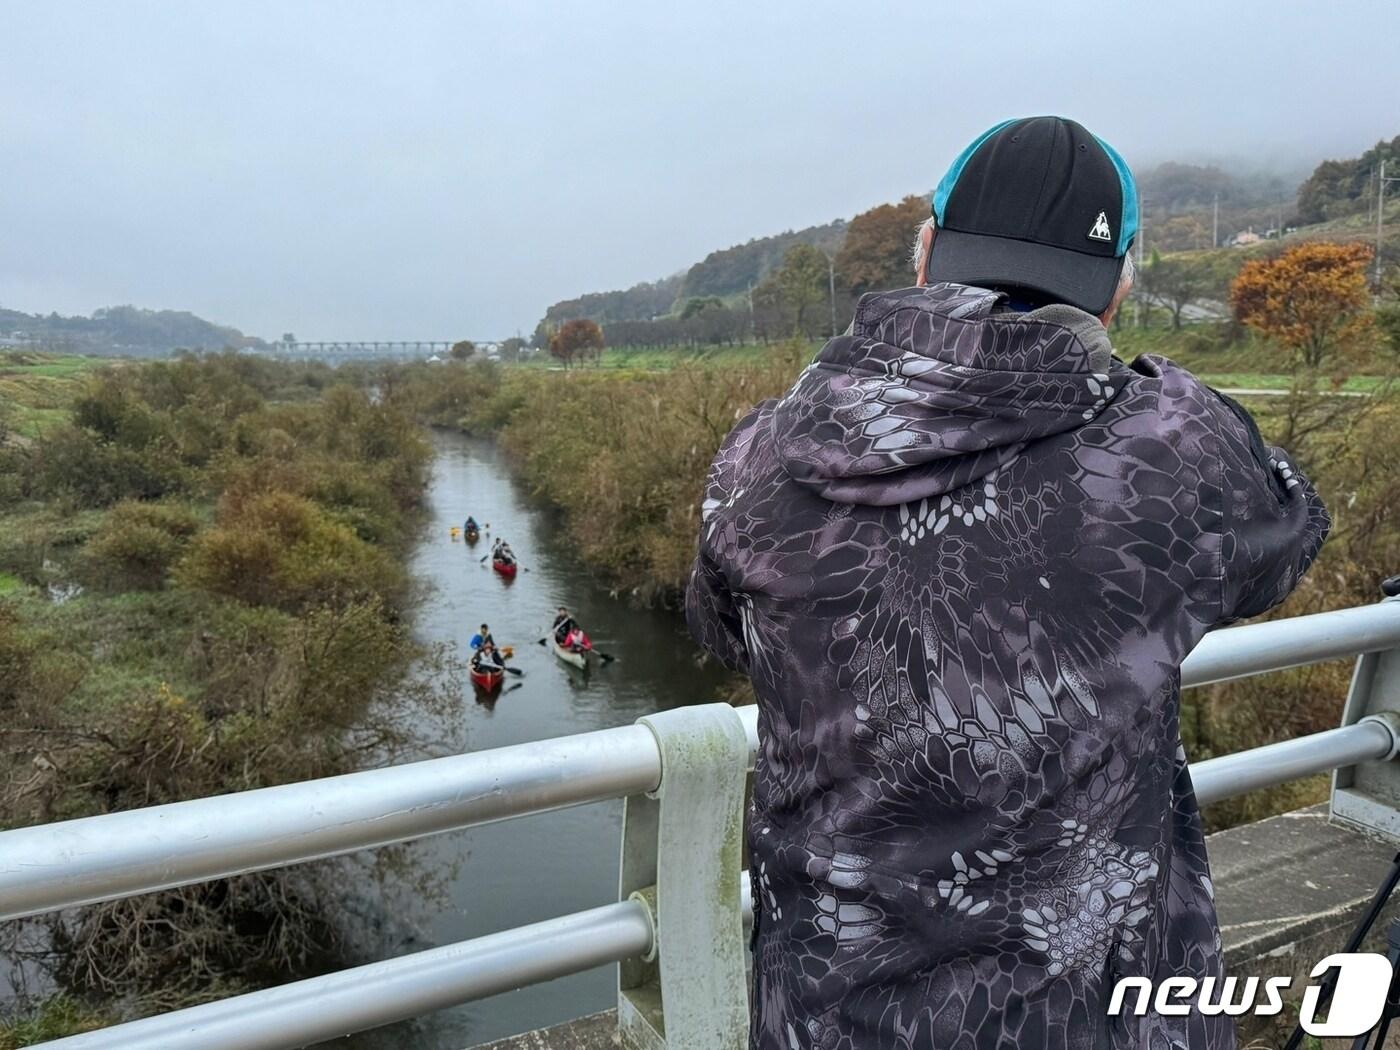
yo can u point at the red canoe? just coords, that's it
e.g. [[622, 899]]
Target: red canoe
[[505, 568], [488, 681]]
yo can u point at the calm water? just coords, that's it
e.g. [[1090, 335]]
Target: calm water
[[523, 871]]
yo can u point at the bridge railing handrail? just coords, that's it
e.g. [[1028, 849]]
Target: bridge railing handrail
[[113, 855], [122, 854]]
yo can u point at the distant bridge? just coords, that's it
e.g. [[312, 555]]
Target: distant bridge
[[395, 347]]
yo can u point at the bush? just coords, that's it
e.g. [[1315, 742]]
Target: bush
[[285, 552], [16, 658], [138, 545], [75, 465]]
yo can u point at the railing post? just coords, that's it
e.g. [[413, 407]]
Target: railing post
[[1368, 795], [682, 850]]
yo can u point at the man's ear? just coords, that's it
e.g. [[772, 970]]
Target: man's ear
[[925, 248]]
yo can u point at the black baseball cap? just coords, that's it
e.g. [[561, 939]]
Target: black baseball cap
[[1039, 205]]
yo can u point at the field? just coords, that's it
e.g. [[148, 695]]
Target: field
[[35, 389]]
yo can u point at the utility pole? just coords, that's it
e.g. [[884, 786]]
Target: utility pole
[[1380, 220], [1380, 224], [753, 328], [1141, 241], [831, 286], [1215, 223]]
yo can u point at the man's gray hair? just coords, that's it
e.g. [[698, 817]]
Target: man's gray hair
[[916, 253], [1126, 276]]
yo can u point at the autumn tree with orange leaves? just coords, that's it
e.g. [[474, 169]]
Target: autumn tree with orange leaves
[[576, 339], [1311, 299], [875, 255]]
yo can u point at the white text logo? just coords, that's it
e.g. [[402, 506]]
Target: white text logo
[[1356, 1006]]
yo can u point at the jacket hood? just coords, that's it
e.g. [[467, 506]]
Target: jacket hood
[[936, 387]]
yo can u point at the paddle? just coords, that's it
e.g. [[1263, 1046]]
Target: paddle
[[513, 670]]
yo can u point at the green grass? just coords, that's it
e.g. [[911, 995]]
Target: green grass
[[9, 584], [49, 366], [36, 390], [57, 1016], [31, 422], [1275, 381]]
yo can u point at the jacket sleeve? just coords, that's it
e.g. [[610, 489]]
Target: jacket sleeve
[[712, 614], [1273, 522]]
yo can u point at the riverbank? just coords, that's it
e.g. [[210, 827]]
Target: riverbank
[[205, 590]]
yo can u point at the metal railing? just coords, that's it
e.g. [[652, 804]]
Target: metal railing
[[117, 855]]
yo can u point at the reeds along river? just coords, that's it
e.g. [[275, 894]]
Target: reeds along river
[[522, 871]]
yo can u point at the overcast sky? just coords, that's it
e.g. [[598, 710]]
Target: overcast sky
[[422, 170]]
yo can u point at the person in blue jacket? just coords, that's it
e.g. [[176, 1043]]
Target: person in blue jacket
[[482, 637]]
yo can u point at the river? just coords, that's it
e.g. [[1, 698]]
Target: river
[[522, 871]]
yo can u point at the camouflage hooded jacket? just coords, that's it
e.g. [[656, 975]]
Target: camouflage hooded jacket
[[962, 560]]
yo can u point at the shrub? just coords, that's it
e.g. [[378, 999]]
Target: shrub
[[16, 658], [138, 545], [73, 464], [283, 551]]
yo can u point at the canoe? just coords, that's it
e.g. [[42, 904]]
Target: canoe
[[487, 680], [579, 660], [578, 657], [505, 568]]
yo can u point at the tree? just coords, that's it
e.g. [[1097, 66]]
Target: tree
[[289, 338], [575, 339], [1175, 282], [876, 253], [1312, 299], [1183, 233], [798, 289], [463, 349], [510, 348], [696, 303]]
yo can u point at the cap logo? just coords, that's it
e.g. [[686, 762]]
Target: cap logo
[[1100, 230]]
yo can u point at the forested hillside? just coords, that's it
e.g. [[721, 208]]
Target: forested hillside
[[734, 270], [724, 274], [120, 330], [803, 283]]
